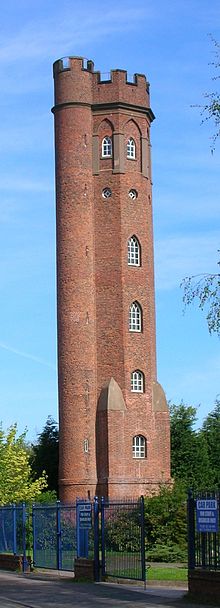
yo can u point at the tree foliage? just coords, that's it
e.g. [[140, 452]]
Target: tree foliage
[[45, 454], [211, 108], [210, 432], [205, 288], [16, 484], [195, 462], [166, 524], [189, 451]]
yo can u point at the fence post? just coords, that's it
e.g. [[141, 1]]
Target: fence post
[[14, 529], [103, 535], [143, 563], [25, 563], [59, 541], [191, 530], [34, 533], [96, 538]]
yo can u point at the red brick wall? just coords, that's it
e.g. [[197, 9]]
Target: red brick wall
[[96, 288], [13, 562], [204, 585]]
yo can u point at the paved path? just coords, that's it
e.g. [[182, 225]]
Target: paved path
[[20, 591]]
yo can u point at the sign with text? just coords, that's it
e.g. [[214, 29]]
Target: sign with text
[[85, 516], [207, 515]]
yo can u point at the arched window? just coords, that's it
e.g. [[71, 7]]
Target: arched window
[[131, 148], [137, 381], [139, 447], [134, 251], [135, 317], [106, 147]]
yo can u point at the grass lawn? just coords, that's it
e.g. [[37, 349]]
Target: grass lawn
[[155, 573]]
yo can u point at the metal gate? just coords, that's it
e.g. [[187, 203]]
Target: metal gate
[[122, 539], [54, 536], [62, 532]]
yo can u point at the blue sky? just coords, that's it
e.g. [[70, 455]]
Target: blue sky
[[170, 43]]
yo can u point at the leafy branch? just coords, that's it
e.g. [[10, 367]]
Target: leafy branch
[[204, 288], [211, 109]]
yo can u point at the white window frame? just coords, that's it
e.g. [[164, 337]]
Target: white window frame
[[131, 148], [107, 147], [134, 251], [106, 192], [135, 317], [86, 446], [137, 381], [139, 446], [133, 194]]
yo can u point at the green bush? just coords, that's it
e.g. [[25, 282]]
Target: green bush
[[165, 526], [166, 523], [122, 532], [166, 553]]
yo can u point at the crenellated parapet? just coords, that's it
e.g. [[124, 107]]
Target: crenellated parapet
[[76, 81]]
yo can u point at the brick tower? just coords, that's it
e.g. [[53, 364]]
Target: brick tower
[[114, 420]]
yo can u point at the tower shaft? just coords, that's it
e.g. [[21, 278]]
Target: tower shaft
[[114, 422]]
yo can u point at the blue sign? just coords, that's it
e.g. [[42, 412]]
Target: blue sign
[[207, 515], [85, 516]]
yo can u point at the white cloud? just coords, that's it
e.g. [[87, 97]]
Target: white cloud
[[42, 38], [20, 353]]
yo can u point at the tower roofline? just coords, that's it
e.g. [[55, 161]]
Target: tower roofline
[[66, 63], [77, 81]]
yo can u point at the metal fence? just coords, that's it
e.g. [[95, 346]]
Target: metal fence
[[203, 530], [53, 535], [122, 539], [14, 524], [46, 536]]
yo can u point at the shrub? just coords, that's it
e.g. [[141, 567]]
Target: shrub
[[166, 553]]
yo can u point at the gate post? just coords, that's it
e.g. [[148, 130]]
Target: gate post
[[103, 534], [143, 564], [14, 529], [96, 538], [34, 533], [59, 543], [191, 530], [25, 563]]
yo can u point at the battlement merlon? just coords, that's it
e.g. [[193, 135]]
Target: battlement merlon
[[76, 81]]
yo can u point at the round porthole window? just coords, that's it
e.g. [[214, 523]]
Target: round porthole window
[[133, 194], [106, 193]]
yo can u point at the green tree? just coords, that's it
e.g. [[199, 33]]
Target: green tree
[[210, 432], [205, 288], [16, 484], [189, 452], [45, 454], [166, 524]]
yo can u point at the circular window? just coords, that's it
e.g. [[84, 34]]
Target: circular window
[[133, 194], [106, 193]]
